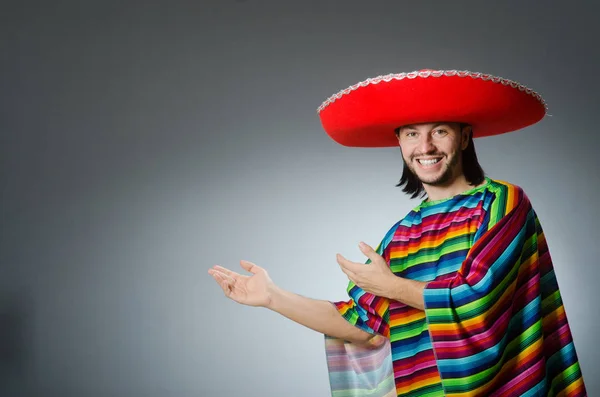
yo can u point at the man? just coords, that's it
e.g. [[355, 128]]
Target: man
[[459, 298]]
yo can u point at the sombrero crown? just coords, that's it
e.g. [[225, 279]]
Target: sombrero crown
[[367, 113]]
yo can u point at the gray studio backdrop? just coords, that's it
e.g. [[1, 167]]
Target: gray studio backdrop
[[143, 143]]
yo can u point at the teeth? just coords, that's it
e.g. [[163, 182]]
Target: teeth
[[429, 161]]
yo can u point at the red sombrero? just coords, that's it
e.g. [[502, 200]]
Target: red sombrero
[[367, 113]]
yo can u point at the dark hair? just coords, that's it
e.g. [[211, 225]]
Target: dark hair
[[472, 170]]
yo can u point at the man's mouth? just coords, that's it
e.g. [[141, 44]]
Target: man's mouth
[[430, 161]]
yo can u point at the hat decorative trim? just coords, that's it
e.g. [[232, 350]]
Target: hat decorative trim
[[431, 73]]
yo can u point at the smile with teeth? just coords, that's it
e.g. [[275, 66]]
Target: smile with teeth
[[429, 162]]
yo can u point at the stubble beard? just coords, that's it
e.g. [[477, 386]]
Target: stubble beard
[[446, 176]]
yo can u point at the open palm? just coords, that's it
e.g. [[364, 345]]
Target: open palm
[[251, 290]]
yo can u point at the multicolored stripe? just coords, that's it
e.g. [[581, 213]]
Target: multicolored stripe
[[494, 323]]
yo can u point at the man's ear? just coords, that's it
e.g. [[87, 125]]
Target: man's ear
[[465, 136], [397, 133]]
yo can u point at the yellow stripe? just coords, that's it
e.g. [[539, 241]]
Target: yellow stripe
[[396, 253], [475, 320], [572, 387], [404, 320], [509, 291], [481, 391], [552, 316], [435, 379]]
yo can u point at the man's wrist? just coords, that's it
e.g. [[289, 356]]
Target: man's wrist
[[398, 286], [409, 292], [274, 296]]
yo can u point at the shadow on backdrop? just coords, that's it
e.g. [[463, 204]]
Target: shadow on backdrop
[[16, 360]]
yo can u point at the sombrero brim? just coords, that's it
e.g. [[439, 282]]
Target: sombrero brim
[[366, 114]]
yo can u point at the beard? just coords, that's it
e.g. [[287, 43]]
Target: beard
[[441, 179]]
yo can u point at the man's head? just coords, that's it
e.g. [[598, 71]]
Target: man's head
[[436, 154]]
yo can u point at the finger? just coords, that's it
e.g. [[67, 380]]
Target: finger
[[223, 282], [377, 341], [348, 265], [223, 276], [228, 272], [369, 252], [249, 266], [353, 278], [351, 275]]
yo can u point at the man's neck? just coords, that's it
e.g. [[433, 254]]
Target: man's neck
[[457, 186]]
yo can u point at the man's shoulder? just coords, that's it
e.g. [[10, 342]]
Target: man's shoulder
[[504, 187], [508, 196]]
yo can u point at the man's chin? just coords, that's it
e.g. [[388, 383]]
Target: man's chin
[[432, 183], [440, 180]]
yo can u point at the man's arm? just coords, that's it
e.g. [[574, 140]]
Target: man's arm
[[378, 279], [409, 292], [318, 315], [259, 290]]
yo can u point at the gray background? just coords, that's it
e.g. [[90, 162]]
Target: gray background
[[143, 143]]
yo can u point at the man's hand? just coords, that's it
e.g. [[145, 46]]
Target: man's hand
[[376, 278], [254, 290]]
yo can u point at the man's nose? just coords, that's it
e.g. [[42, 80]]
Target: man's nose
[[426, 144]]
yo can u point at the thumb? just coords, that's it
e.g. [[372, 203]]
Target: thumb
[[249, 266], [369, 252], [366, 249]]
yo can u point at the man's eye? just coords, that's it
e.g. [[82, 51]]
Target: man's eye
[[441, 132]]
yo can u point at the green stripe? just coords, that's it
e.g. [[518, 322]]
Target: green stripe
[[479, 379], [552, 302], [566, 377], [388, 384], [413, 329], [481, 305], [434, 390], [458, 243]]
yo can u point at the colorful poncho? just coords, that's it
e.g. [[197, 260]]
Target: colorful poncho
[[494, 323]]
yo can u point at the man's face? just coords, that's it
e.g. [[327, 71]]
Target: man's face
[[433, 151]]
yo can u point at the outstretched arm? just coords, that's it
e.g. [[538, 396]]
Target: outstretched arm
[[259, 290], [319, 315]]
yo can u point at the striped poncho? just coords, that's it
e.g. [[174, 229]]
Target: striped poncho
[[494, 323]]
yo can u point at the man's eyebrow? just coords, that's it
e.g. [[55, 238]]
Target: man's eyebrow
[[437, 125], [407, 127], [412, 127]]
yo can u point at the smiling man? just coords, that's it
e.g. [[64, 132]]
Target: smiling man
[[434, 154], [459, 298]]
